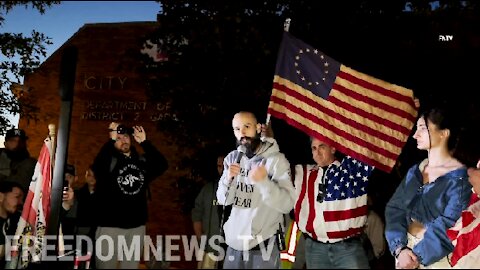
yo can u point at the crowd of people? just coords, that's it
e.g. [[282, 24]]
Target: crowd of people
[[112, 202], [431, 220], [314, 216]]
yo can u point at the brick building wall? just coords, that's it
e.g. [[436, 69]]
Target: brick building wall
[[108, 88]]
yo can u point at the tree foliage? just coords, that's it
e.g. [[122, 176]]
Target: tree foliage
[[222, 54], [225, 63], [20, 55]]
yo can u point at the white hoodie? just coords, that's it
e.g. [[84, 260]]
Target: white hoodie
[[258, 208]]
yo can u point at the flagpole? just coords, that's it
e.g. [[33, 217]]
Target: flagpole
[[286, 28], [51, 135], [67, 82]]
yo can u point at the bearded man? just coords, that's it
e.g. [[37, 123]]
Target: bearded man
[[120, 197], [258, 186]]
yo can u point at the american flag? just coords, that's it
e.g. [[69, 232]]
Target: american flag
[[31, 228], [465, 236], [343, 212], [364, 117]]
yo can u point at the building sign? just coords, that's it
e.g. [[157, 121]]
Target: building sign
[[117, 107], [104, 82], [121, 110]]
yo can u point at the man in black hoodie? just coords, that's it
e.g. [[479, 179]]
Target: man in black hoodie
[[122, 181], [16, 164]]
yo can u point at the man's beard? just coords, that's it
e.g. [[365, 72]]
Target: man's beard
[[18, 154], [250, 143], [124, 148]]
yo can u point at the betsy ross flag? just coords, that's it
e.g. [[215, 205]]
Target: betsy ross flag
[[361, 116], [465, 236], [29, 240]]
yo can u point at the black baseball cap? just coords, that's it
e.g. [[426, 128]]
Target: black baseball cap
[[70, 169], [15, 132]]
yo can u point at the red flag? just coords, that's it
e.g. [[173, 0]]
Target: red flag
[[32, 225], [361, 116]]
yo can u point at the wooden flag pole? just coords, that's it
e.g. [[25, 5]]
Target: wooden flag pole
[[286, 28], [51, 135]]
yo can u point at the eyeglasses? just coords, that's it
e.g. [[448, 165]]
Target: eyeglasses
[[322, 189]]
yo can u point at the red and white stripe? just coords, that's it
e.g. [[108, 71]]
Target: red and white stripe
[[362, 116], [330, 221], [465, 236], [36, 209]]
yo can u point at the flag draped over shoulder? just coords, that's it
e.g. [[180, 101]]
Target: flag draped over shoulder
[[361, 116], [29, 238], [465, 236]]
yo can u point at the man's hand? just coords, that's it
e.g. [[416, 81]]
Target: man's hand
[[258, 173], [416, 101], [67, 200], [407, 260], [113, 130], [139, 134], [233, 171], [266, 130]]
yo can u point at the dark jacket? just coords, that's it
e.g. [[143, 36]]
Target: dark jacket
[[85, 215], [206, 210], [120, 192], [19, 171]]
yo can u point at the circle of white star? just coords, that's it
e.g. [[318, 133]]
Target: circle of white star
[[315, 53]]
